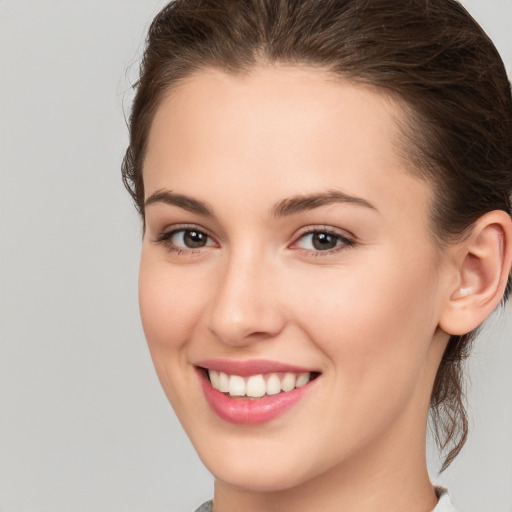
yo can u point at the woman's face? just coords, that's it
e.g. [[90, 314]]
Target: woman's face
[[286, 240]]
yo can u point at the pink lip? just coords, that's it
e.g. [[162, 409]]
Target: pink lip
[[246, 368], [244, 411]]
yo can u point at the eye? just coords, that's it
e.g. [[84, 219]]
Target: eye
[[185, 239], [323, 241], [189, 238]]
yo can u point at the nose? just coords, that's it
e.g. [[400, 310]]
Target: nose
[[245, 306]]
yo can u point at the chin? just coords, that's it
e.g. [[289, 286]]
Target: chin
[[267, 477], [255, 467]]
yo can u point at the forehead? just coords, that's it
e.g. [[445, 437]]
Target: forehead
[[296, 128], [282, 106]]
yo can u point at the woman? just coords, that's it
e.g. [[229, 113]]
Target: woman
[[325, 191]]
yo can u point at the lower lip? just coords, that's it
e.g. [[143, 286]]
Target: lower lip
[[253, 411]]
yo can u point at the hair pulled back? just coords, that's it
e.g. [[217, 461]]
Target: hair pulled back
[[429, 54]]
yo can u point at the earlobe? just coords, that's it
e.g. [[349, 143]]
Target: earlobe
[[483, 262]]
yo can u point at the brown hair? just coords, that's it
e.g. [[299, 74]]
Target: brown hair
[[430, 54]]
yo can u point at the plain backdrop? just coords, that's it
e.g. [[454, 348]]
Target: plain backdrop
[[84, 425]]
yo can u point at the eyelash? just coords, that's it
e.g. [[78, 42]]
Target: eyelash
[[165, 239], [345, 242]]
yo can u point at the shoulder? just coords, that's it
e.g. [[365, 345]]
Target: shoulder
[[207, 507], [445, 503]]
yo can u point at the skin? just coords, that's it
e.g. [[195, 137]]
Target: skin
[[366, 315]]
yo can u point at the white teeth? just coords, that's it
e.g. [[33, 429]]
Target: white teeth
[[214, 378], [273, 385], [302, 379], [288, 383], [236, 385], [257, 386], [223, 383]]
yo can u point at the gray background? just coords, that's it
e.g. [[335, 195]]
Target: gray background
[[84, 425]]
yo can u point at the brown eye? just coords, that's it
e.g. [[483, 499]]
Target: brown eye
[[324, 241], [194, 239], [189, 239]]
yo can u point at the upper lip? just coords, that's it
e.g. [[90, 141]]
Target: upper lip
[[249, 367]]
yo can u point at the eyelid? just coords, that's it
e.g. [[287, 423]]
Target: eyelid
[[166, 234], [324, 228], [347, 239]]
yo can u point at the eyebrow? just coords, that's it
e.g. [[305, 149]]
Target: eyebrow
[[303, 203], [284, 208], [187, 203]]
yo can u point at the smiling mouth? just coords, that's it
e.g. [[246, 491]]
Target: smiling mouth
[[260, 385]]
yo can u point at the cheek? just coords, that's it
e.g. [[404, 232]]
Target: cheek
[[170, 302], [170, 306], [375, 326]]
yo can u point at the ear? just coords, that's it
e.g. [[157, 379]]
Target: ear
[[482, 267]]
